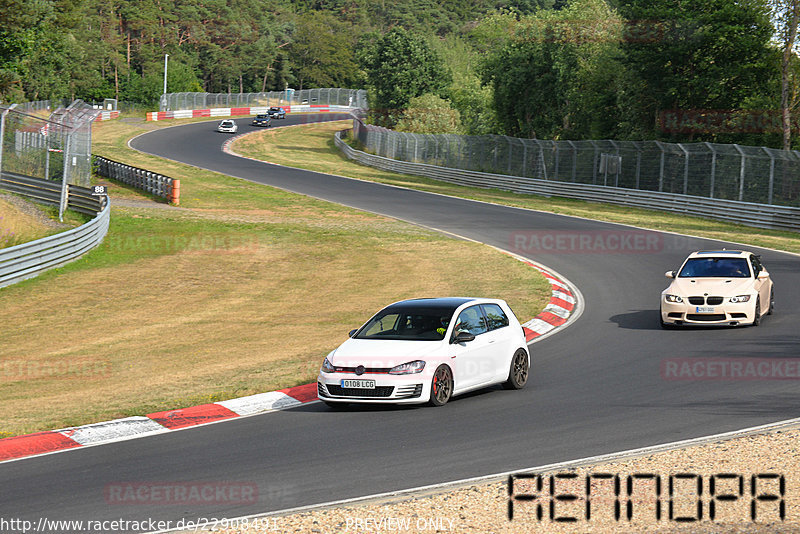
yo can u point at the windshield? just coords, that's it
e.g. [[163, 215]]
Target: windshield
[[420, 324], [715, 267]]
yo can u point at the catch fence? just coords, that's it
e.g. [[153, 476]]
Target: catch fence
[[729, 172], [356, 98]]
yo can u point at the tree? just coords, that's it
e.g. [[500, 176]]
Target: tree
[[554, 76], [702, 55], [322, 52], [400, 66], [430, 114], [787, 15]]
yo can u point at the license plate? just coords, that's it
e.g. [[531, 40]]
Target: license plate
[[705, 309], [358, 384]]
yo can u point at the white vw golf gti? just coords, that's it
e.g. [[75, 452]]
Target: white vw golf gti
[[717, 287], [427, 350]]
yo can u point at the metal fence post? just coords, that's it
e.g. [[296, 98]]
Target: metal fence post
[[544, 163], [685, 169], [661, 167], [574, 159], [511, 153], [741, 171], [594, 162], [47, 155], [713, 169], [771, 174], [616, 176], [62, 203], [638, 165], [3, 132], [556, 150]]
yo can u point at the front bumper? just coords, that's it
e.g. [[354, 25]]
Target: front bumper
[[725, 314], [393, 389]]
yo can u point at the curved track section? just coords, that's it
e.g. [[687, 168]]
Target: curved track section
[[599, 388]]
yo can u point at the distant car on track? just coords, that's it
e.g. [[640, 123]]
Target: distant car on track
[[262, 119], [427, 350], [277, 113], [227, 126], [718, 287]]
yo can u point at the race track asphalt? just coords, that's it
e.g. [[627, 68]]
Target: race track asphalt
[[596, 387]]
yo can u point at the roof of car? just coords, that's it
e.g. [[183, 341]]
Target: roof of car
[[447, 303], [731, 253]]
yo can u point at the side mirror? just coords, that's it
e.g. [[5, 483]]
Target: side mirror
[[352, 332], [763, 275], [670, 274], [463, 337]]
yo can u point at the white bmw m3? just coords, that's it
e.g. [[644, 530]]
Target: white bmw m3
[[718, 287], [427, 350]]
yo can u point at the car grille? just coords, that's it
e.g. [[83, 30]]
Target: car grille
[[379, 391], [705, 317], [699, 301], [372, 370]]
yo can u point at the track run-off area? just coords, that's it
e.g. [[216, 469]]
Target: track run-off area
[[602, 385]]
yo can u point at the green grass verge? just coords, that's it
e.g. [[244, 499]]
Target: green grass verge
[[312, 147], [242, 290]]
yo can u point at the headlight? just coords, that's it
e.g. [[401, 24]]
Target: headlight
[[327, 367], [409, 368], [740, 298], [673, 298]]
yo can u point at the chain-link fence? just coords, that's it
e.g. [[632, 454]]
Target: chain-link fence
[[730, 172], [56, 148], [289, 97]]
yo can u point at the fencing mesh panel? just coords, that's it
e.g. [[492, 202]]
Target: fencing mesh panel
[[48, 147], [356, 98], [730, 172]]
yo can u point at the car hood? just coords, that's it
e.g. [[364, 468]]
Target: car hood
[[383, 352], [722, 287]]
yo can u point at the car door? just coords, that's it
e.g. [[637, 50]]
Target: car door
[[762, 285], [472, 361], [499, 340]]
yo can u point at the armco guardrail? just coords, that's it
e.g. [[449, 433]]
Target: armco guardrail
[[151, 182], [751, 214], [30, 259]]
